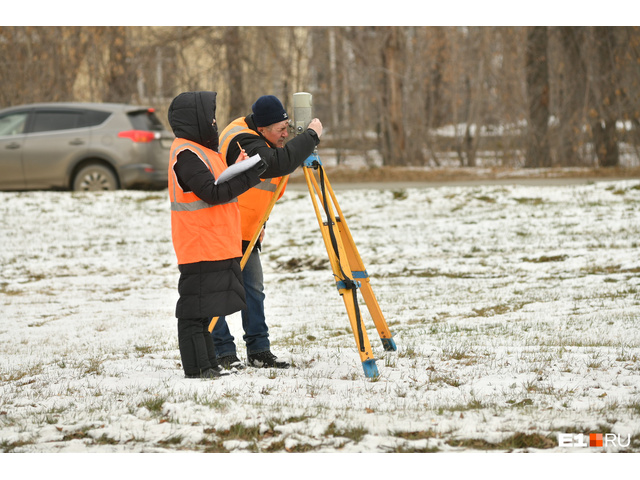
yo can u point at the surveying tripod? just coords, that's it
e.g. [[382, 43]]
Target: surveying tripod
[[346, 263]]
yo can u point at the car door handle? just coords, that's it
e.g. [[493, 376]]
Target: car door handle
[[13, 146], [77, 141]]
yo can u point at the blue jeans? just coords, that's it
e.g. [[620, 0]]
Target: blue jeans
[[256, 332]]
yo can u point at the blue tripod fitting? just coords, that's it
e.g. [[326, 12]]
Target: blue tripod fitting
[[313, 160]]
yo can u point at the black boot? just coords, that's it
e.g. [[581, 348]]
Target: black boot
[[231, 362], [211, 349], [266, 360], [196, 349]]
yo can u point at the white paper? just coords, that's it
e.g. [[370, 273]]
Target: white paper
[[237, 168]]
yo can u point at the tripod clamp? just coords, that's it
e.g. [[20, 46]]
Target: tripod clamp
[[312, 161]]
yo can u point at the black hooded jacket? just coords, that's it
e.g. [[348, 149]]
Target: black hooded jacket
[[211, 288], [192, 116]]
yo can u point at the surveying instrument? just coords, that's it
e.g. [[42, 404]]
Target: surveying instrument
[[347, 266]]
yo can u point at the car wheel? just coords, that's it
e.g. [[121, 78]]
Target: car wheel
[[95, 178]]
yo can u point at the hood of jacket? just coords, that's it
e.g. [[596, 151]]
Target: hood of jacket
[[192, 117]]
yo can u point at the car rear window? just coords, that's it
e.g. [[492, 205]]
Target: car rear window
[[145, 120], [91, 118], [51, 120]]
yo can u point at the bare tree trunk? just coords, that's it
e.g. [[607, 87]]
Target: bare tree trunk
[[537, 70], [573, 105], [434, 104], [233, 55], [394, 146], [604, 126], [120, 78]]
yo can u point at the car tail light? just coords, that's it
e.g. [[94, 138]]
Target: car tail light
[[139, 136]]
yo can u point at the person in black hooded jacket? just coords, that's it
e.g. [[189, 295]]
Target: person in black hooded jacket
[[205, 232]]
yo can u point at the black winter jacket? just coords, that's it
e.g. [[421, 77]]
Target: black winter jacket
[[280, 161], [206, 289]]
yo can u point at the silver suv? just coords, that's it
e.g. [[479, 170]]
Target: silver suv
[[82, 146]]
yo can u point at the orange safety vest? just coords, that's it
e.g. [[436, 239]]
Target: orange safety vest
[[201, 231], [254, 202]]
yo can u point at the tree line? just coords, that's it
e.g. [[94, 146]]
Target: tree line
[[425, 96]]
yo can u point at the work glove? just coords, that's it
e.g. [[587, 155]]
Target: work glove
[[260, 167], [253, 174]]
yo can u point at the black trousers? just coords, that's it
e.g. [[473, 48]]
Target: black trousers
[[196, 346]]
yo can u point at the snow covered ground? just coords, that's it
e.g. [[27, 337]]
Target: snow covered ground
[[515, 309]]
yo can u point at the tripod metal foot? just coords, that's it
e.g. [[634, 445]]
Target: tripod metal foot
[[370, 368], [389, 344]]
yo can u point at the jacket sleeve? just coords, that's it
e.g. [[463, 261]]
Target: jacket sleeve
[[194, 176], [280, 161]]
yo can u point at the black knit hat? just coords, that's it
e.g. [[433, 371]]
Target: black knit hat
[[268, 110]]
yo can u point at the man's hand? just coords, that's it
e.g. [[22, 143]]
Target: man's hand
[[316, 126]]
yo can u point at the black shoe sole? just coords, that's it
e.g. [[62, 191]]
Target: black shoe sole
[[264, 365]]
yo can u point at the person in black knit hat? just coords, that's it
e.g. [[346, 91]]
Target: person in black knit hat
[[263, 132]]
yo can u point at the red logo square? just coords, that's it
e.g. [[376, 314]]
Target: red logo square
[[595, 439]]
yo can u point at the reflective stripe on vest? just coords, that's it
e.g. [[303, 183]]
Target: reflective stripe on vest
[[230, 135], [193, 206]]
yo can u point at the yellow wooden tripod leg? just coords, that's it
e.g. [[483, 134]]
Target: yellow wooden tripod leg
[[360, 274], [386, 337], [360, 333], [263, 220]]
